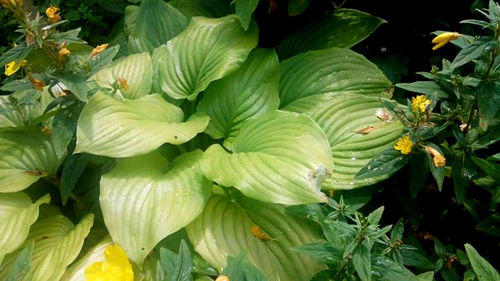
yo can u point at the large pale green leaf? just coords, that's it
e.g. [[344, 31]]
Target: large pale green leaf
[[334, 71], [250, 91], [120, 127], [136, 71], [280, 157], [17, 214], [225, 229], [204, 8], [76, 272], [145, 198], [343, 28], [358, 129], [25, 156], [57, 244], [154, 23], [207, 50]]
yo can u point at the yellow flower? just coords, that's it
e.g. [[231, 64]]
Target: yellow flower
[[437, 158], [222, 278], [52, 13], [404, 145], [443, 38], [116, 267], [13, 66], [419, 103], [98, 50]]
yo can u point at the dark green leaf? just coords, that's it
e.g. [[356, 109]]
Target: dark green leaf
[[177, 267], [73, 168], [490, 225], [390, 271], [17, 85], [343, 28], [21, 266], [416, 259], [430, 88], [361, 259], [17, 53], [483, 270], [462, 172], [297, 7], [437, 172], [474, 51], [419, 171], [69, 36], [244, 9], [488, 101], [490, 168], [397, 231], [239, 269], [388, 162], [439, 248]]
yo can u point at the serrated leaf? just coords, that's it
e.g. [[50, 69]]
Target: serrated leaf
[[133, 73], [355, 133], [482, 268], [76, 272], [280, 157], [17, 214], [57, 244], [25, 156], [251, 91], [207, 50], [386, 163], [121, 128], [333, 71], [343, 28], [154, 24], [145, 198], [244, 9], [224, 229]]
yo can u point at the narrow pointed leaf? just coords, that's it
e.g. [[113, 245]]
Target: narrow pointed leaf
[[343, 28], [154, 24], [25, 156], [280, 157], [134, 74], [57, 244], [331, 71], [207, 50], [224, 229], [143, 200], [122, 128], [355, 133], [249, 92], [482, 268], [17, 214]]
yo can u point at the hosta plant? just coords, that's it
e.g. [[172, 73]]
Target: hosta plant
[[183, 150]]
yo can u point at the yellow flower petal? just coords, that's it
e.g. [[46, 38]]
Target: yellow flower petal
[[222, 278], [13, 66], [404, 145], [52, 13], [116, 267], [443, 39], [419, 103]]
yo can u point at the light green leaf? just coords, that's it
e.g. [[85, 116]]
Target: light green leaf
[[207, 50], [136, 71], [17, 214], [355, 133], [343, 28], [57, 244], [144, 199], [244, 9], [482, 268], [249, 92], [331, 71], [224, 229], [21, 266], [76, 272], [204, 8], [25, 156], [154, 24], [30, 105], [426, 276], [120, 128], [281, 157]]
